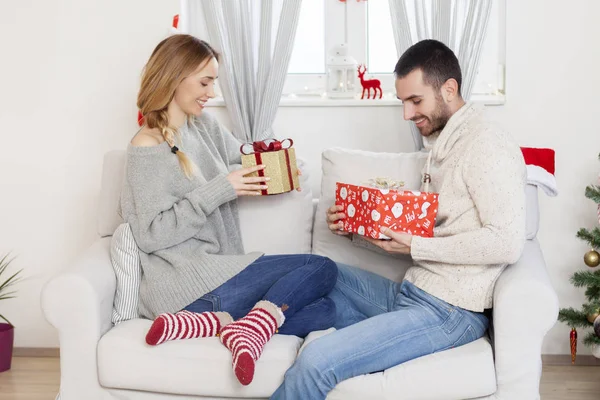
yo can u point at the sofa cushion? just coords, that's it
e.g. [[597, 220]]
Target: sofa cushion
[[282, 212], [113, 174], [461, 373], [357, 167], [125, 258], [188, 367], [464, 372], [278, 224]]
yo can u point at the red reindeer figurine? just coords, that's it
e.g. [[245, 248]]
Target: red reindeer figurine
[[369, 84]]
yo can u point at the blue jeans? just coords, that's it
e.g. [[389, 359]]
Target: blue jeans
[[381, 324], [300, 281]]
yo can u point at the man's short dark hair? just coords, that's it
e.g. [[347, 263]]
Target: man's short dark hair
[[437, 62]]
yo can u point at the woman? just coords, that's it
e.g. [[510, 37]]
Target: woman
[[179, 199]]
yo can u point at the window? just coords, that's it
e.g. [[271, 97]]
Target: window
[[366, 26], [308, 56]]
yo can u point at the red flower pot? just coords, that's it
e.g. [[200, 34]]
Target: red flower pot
[[7, 335]]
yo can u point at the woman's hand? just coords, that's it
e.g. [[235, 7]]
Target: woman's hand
[[248, 186]]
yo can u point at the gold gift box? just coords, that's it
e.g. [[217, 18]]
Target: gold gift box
[[280, 166]]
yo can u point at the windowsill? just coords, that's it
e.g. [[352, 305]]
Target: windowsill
[[386, 101]]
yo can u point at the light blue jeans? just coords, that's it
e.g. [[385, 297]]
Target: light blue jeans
[[380, 324]]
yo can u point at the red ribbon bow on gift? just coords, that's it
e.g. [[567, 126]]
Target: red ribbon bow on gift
[[266, 146]]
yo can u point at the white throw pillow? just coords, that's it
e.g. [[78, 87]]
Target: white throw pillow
[[281, 223], [125, 258], [357, 167]]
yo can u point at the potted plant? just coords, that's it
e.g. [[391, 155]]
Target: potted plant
[[6, 328]]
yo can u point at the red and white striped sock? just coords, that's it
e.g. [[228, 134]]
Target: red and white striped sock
[[186, 325], [247, 337]]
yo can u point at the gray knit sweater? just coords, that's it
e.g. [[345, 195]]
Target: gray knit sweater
[[187, 230]]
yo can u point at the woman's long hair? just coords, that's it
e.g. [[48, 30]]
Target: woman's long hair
[[172, 60]]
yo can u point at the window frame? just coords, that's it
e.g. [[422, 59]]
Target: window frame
[[341, 14]]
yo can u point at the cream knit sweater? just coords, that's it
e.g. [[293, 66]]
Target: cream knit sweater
[[480, 175]]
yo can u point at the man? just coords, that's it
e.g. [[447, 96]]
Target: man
[[479, 174]]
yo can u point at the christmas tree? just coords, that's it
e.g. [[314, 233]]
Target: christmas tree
[[589, 314]]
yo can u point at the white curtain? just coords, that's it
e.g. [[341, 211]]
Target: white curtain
[[255, 39], [460, 24]]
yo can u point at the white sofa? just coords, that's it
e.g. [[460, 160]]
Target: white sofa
[[99, 361]]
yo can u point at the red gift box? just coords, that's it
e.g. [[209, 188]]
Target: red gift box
[[368, 209]]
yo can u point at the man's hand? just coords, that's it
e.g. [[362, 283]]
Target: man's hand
[[334, 220], [399, 243]]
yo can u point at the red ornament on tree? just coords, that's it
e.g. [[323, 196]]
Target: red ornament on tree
[[369, 84], [573, 337]]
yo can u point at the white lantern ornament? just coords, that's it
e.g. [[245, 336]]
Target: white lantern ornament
[[341, 73]]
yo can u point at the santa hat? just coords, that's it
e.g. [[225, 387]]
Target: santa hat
[[540, 169]]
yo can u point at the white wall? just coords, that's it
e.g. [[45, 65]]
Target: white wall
[[68, 96], [552, 65], [69, 74]]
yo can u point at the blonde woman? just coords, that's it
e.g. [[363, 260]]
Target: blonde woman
[[180, 200]]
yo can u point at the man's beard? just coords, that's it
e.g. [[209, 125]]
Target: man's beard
[[438, 119]]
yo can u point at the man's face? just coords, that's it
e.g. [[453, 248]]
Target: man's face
[[423, 104]]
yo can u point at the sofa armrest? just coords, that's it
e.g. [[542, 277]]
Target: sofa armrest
[[78, 303], [525, 308]]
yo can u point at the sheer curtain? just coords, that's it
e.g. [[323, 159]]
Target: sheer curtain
[[255, 39]]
